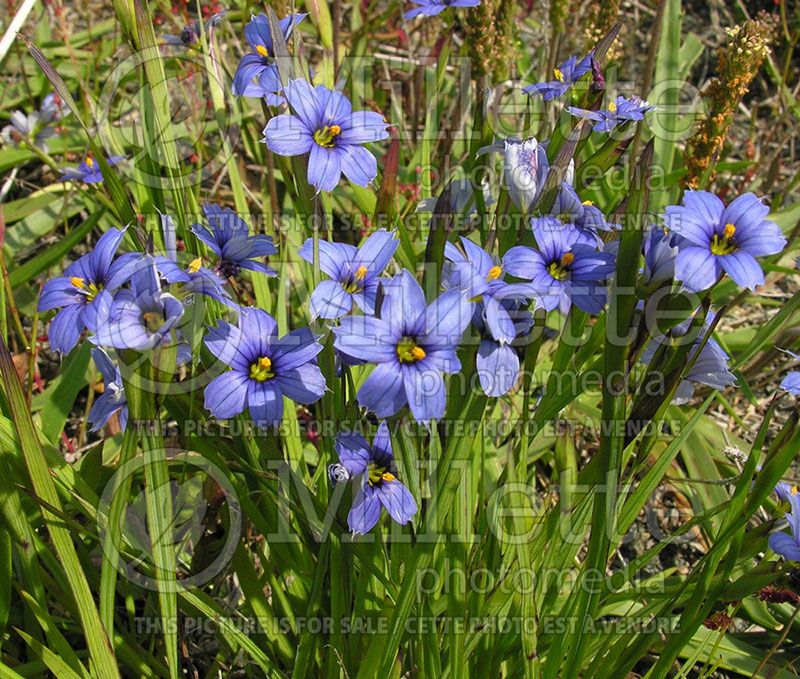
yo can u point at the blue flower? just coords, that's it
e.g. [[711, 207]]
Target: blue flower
[[710, 367], [412, 344], [583, 215], [497, 362], [79, 293], [430, 8], [142, 317], [53, 108], [788, 544], [230, 239], [326, 127], [619, 111], [265, 368], [564, 76], [257, 75], [197, 279], [659, 257], [785, 490], [791, 382], [354, 273], [525, 171], [716, 239], [190, 34], [482, 278], [112, 399], [88, 171], [563, 270], [379, 487]]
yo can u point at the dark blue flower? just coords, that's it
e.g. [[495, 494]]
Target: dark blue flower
[[325, 126], [230, 239], [354, 273], [788, 544], [257, 75], [88, 171], [562, 269], [482, 279], [565, 75], [197, 279], [84, 287], [619, 111], [497, 362], [716, 239], [112, 399], [373, 466], [431, 8], [190, 34], [413, 345], [142, 317], [264, 368]]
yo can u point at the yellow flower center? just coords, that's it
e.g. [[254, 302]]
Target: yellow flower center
[[355, 284], [376, 474], [612, 106], [558, 75], [724, 244], [262, 50], [588, 203], [494, 273], [195, 264], [261, 370], [89, 161], [408, 351], [153, 320], [325, 136], [560, 269], [91, 290]]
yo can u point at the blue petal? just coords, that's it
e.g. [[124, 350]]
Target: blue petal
[[330, 300], [696, 268], [304, 384], [353, 452], [66, 328], [743, 268], [59, 292], [365, 512], [334, 258], [104, 251], [397, 500], [304, 100], [498, 320], [265, 403], [366, 338], [295, 349], [404, 302], [383, 392], [225, 395], [425, 392], [287, 135], [498, 367], [324, 168], [358, 164], [382, 442], [377, 251], [785, 545], [446, 319], [225, 342], [364, 127]]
